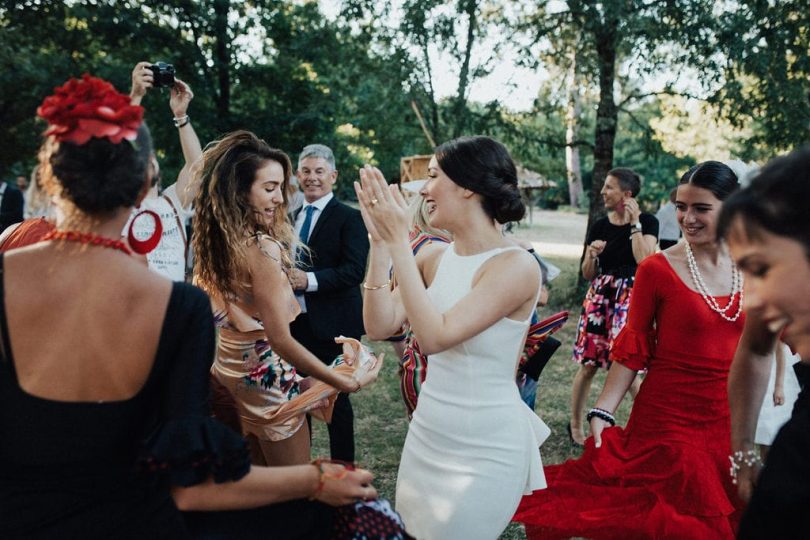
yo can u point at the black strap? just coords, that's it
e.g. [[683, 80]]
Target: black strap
[[5, 353], [183, 235]]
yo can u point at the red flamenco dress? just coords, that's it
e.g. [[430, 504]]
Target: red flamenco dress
[[666, 475]]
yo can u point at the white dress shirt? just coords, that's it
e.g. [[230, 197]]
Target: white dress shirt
[[319, 205]]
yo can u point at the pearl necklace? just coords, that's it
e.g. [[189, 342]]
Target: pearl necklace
[[711, 301]]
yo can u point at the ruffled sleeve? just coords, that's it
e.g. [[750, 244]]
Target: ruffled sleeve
[[187, 445], [190, 450], [632, 348], [635, 344]]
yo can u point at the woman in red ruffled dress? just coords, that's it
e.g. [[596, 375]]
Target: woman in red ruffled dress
[[666, 474]]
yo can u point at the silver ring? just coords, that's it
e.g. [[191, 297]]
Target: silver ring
[[373, 202]]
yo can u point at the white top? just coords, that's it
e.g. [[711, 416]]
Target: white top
[[169, 257], [668, 228]]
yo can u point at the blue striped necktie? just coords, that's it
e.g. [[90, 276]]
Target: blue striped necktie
[[304, 234]]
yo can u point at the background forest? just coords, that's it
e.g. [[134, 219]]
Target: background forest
[[656, 85]]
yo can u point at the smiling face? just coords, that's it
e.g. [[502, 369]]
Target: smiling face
[[612, 193], [315, 177], [438, 193], [777, 283], [266, 191], [697, 213]]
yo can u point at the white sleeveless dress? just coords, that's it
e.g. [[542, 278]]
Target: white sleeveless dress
[[472, 448]]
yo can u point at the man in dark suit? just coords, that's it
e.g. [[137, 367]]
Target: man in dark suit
[[11, 205], [327, 280]]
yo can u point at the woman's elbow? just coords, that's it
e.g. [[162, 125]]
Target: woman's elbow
[[431, 347], [377, 330], [186, 499], [379, 333], [378, 336]]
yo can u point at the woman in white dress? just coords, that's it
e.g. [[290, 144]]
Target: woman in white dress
[[472, 447]]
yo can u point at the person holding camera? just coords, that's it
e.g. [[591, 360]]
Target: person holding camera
[[164, 242]]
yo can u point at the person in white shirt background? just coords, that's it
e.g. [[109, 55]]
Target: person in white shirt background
[[668, 233], [173, 204]]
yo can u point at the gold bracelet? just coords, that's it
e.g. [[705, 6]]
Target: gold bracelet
[[368, 287]]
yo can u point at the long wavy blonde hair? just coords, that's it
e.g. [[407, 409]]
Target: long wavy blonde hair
[[225, 222]]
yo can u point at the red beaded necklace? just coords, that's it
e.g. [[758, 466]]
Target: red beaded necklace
[[87, 238]]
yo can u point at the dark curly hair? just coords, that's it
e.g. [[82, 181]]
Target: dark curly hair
[[484, 166], [98, 176]]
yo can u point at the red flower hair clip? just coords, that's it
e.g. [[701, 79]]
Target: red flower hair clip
[[90, 107]]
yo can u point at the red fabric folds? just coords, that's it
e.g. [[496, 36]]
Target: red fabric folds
[[665, 475]]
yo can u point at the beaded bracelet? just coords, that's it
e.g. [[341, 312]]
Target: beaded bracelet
[[747, 457], [323, 476], [602, 414], [181, 121]]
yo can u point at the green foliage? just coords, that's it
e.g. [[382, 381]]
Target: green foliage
[[768, 74], [638, 148], [282, 70], [294, 76]]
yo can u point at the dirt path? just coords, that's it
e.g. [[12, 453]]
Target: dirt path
[[554, 234]]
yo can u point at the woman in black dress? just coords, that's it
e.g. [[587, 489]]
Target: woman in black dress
[[104, 424], [768, 235], [616, 244]]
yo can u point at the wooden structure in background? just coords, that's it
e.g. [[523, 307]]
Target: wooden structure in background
[[413, 168], [530, 183]]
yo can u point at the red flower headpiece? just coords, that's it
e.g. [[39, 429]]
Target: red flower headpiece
[[90, 107]]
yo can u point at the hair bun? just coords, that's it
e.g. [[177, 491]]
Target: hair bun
[[509, 205], [100, 176]]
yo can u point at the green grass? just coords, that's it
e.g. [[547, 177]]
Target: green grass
[[381, 423]]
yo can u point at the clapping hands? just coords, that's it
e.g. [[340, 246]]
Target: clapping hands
[[384, 209]]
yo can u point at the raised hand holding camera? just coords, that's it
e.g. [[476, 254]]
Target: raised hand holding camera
[[146, 75], [163, 74]]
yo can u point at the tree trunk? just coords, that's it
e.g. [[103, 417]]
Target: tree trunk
[[572, 164], [223, 61], [606, 119], [460, 106], [434, 107]]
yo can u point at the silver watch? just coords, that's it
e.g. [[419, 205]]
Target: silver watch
[[636, 226]]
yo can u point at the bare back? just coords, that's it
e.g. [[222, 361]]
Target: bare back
[[84, 322]]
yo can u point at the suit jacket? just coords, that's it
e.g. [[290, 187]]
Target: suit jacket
[[11, 208], [338, 254]]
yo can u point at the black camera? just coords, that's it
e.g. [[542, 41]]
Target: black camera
[[163, 74]]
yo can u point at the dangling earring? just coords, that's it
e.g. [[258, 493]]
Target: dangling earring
[[142, 247]]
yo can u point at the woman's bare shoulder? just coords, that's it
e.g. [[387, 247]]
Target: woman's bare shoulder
[[515, 267]]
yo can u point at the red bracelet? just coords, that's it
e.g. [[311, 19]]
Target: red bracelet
[[323, 476]]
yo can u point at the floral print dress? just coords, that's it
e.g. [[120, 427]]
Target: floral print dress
[[259, 380]]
